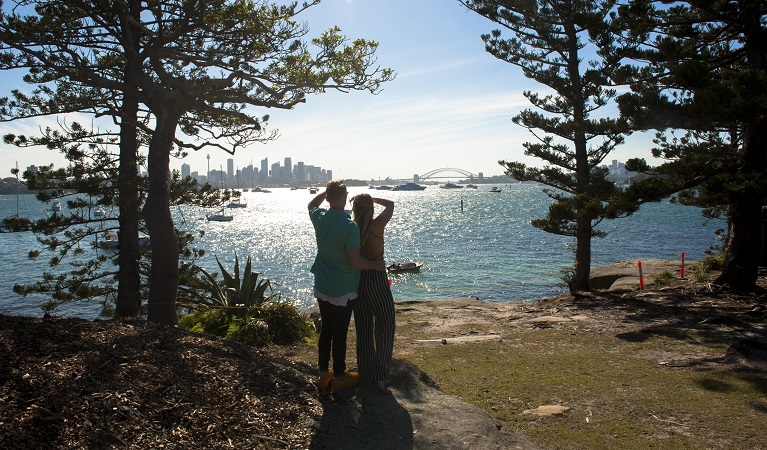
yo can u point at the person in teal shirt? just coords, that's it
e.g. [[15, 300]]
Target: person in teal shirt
[[336, 272]]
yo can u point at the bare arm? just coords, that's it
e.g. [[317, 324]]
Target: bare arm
[[388, 211], [360, 263], [317, 201]]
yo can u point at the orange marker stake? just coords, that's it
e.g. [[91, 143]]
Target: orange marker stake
[[641, 278], [682, 264]]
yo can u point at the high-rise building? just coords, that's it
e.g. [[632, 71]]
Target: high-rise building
[[230, 169], [248, 175], [300, 172], [186, 171], [263, 174], [287, 170]]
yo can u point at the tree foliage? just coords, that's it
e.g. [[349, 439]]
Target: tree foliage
[[76, 240], [198, 68], [550, 41], [701, 81]]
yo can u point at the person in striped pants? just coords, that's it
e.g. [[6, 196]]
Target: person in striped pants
[[374, 308]]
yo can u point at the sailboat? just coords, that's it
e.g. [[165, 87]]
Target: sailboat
[[9, 223], [220, 217], [235, 203]]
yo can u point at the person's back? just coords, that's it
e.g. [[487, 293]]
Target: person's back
[[374, 315], [336, 278], [336, 235]]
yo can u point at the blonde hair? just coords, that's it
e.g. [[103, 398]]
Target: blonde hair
[[362, 210]]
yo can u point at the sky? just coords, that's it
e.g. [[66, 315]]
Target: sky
[[450, 105]]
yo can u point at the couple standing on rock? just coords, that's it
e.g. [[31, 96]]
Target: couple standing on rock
[[350, 277]]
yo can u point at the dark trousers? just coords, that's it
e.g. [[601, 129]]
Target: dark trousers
[[335, 327]]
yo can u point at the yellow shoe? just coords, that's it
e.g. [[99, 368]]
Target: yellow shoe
[[323, 381], [349, 380]]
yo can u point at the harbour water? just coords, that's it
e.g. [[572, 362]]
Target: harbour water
[[472, 242]]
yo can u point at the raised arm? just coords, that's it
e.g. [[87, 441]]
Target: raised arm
[[388, 211], [317, 200]]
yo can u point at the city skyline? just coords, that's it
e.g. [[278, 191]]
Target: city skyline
[[279, 172], [232, 169], [450, 102]]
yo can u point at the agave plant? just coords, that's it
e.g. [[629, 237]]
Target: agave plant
[[234, 291], [241, 309]]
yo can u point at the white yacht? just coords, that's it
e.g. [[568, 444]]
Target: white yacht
[[408, 187]]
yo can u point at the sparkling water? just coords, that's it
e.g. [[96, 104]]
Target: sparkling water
[[472, 242]]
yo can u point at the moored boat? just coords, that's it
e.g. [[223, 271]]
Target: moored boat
[[408, 187], [112, 240], [236, 204], [220, 217], [405, 267]]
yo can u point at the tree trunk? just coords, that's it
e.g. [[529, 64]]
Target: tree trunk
[[742, 254], [582, 273], [129, 282], [164, 276], [741, 264], [763, 252], [128, 302]]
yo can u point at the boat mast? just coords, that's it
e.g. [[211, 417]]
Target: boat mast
[[18, 188]]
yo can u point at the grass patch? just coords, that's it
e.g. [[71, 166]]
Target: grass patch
[[663, 278], [634, 387], [619, 398]]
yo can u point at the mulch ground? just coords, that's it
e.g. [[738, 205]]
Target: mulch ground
[[68, 383]]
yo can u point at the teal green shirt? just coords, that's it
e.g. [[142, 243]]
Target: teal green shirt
[[336, 235]]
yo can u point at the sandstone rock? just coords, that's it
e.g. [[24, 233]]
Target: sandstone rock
[[624, 275], [546, 411]]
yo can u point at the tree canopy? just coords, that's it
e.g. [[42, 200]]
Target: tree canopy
[[550, 41], [700, 79], [199, 69]]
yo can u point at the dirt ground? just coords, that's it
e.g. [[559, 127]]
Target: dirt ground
[[68, 383]]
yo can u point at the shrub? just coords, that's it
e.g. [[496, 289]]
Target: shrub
[[566, 275], [243, 308], [710, 262], [206, 320], [233, 292], [664, 277], [286, 323], [249, 331], [278, 323]]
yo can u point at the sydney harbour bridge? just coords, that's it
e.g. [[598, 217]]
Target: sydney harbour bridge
[[445, 172]]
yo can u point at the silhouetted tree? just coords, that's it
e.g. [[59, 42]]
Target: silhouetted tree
[[702, 81], [550, 41], [76, 236], [200, 68]]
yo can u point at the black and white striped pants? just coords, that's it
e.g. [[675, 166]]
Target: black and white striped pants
[[374, 320]]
